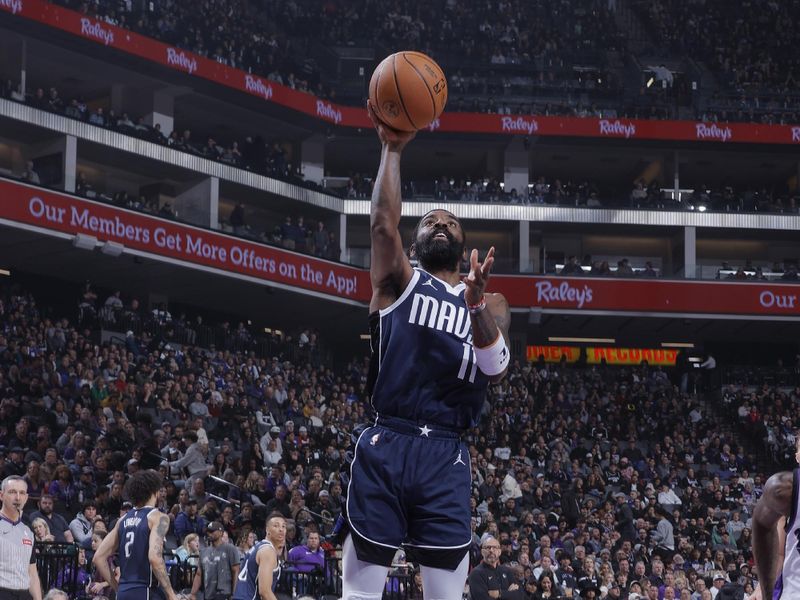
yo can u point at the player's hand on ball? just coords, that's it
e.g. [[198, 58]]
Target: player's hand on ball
[[478, 276], [394, 139]]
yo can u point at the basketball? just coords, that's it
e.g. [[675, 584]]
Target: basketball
[[408, 90]]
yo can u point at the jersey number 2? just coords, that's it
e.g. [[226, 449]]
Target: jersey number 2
[[128, 543], [469, 357]]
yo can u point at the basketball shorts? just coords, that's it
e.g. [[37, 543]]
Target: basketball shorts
[[410, 486], [141, 594]]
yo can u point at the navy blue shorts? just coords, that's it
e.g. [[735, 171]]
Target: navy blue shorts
[[410, 486], [141, 594]]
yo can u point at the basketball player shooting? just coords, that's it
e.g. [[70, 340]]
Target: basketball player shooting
[[437, 342]]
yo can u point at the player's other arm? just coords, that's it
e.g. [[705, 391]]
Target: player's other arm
[[490, 316], [776, 502], [159, 526], [267, 560], [390, 270], [104, 551]]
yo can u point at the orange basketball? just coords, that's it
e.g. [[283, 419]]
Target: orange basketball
[[408, 90]]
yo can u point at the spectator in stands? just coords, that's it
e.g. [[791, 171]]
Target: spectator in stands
[[55, 522], [219, 566], [188, 521], [82, 525], [237, 220], [571, 268], [490, 579], [309, 556], [30, 175], [97, 117], [41, 530]]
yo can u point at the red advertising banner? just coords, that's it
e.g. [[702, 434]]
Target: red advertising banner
[[631, 356], [349, 116], [553, 354], [55, 211], [597, 354], [650, 295], [68, 214]]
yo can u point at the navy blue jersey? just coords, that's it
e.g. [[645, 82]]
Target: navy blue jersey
[[423, 364], [247, 586], [134, 546]]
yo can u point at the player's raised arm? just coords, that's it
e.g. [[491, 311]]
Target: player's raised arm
[[390, 270], [267, 560], [491, 318], [159, 526], [776, 502], [104, 551]]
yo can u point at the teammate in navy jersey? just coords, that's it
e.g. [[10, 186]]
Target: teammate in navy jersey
[[260, 568], [138, 540], [437, 342]]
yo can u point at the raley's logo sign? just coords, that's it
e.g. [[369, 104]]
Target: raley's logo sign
[[13, 6], [326, 110], [180, 59], [519, 125], [631, 356], [562, 293], [713, 132], [95, 30], [617, 128], [255, 85]]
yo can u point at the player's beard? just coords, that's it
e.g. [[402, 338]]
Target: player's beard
[[439, 255]]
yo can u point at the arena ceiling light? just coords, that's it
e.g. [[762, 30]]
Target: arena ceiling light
[[5, 273], [112, 248], [364, 336], [582, 340], [677, 345], [84, 242]]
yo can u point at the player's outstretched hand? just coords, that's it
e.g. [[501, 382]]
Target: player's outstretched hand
[[478, 276], [394, 139]]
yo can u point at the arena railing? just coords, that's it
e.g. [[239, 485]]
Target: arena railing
[[57, 564]]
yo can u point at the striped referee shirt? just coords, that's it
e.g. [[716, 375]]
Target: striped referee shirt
[[16, 554]]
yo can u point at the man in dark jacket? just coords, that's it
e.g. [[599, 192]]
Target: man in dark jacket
[[490, 580], [627, 527]]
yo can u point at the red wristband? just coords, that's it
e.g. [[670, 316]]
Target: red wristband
[[476, 308]]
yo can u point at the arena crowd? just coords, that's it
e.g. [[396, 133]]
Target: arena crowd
[[592, 477], [510, 57]]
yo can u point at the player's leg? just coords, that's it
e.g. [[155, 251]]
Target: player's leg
[[361, 580], [439, 523], [443, 584], [375, 518]]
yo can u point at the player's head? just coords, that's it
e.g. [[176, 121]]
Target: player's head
[[142, 486], [276, 528], [438, 241]]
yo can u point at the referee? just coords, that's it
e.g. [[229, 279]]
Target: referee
[[19, 579]]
